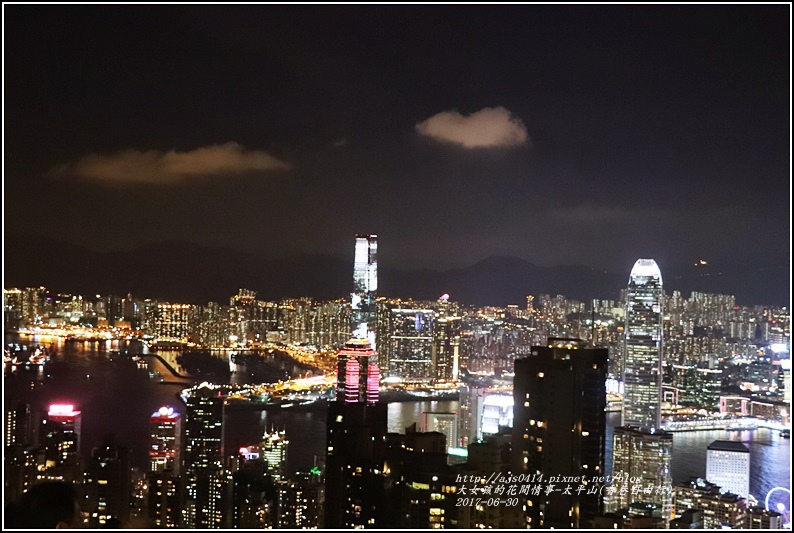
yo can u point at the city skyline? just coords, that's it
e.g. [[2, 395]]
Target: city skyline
[[417, 123], [568, 236]]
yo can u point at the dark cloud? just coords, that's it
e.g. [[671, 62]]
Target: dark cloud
[[166, 168]]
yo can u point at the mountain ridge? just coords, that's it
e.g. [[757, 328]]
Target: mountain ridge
[[190, 272]]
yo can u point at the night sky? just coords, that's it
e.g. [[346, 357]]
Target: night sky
[[589, 135]]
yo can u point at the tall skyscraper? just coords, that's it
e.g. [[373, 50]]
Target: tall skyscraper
[[355, 452], [61, 436], [165, 464], [640, 451], [642, 374], [559, 427], [365, 288], [728, 465], [204, 479]]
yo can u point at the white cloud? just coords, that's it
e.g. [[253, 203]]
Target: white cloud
[[489, 127], [154, 166]]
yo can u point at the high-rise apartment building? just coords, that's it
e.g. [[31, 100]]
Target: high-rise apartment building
[[728, 465], [559, 427], [365, 288], [172, 323]]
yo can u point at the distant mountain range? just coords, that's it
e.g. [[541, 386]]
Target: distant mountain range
[[187, 272]]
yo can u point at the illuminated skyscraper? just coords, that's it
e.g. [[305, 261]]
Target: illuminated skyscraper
[[559, 427], [165, 460], [165, 425], [274, 451], [642, 375], [204, 480], [640, 451], [61, 435], [365, 288]]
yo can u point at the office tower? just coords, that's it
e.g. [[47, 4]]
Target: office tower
[[470, 416], [300, 501], [642, 374], [358, 375], [446, 423], [107, 485], [639, 450], [365, 288], [721, 510], [165, 465], [410, 343], [204, 480], [61, 435], [165, 426], [497, 413], [446, 348], [641, 460], [274, 452], [172, 323], [728, 465], [19, 426], [559, 427], [355, 443]]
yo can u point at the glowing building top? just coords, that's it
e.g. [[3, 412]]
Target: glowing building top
[[365, 287]]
